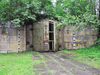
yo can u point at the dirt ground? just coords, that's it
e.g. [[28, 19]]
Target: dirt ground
[[59, 63]]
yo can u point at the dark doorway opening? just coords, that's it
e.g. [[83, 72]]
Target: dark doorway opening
[[51, 36], [50, 45], [51, 28]]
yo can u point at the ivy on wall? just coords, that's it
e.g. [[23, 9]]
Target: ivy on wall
[[3, 27]]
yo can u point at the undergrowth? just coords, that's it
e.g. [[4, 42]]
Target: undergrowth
[[17, 63], [89, 55]]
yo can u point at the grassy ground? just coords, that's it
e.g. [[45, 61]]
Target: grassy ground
[[17, 63], [89, 55], [21, 63]]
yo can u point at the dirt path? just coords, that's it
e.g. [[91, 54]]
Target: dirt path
[[59, 63]]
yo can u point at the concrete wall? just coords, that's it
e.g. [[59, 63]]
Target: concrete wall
[[13, 39], [81, 39]]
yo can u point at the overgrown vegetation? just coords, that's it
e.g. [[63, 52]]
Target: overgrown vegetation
[[19, 11], [3, 27], [17, 63], [22, 11], [97, 42], [79, 13], [68, 12], [88, 55]]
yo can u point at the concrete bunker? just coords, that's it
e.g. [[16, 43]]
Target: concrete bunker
[[44, 35]]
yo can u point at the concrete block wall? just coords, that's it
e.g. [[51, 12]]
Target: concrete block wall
[[13, 39], [81, 39]]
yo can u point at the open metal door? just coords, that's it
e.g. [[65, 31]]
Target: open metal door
[[38, 36]]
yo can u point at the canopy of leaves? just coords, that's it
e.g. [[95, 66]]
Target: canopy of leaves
[[79, 13], [68, 12], [20, 11]]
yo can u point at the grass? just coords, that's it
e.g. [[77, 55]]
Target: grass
[[22, 63], [17, 63], [88, 55]]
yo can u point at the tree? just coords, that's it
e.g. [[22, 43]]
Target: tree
[[19, 10], [68, 11], [79, 13]]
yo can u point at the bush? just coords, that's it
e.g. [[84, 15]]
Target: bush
[[97, 42]]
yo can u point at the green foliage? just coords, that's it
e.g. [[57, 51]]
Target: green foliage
[[69, 12], [97, 42], [80, 21], [92, 53], [88, 55], [19, 11], [75, 7], [78, 14], [3, 27], [16, 22]]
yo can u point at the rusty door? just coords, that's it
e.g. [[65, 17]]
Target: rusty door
[[38, 36]]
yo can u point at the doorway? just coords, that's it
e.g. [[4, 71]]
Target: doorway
[[51, 36]]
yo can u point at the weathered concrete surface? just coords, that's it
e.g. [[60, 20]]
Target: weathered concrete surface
[[12, 39], [57, 63]]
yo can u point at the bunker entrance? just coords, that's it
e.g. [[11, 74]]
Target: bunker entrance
[[51, 36], [51, 26], [43, 38]]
